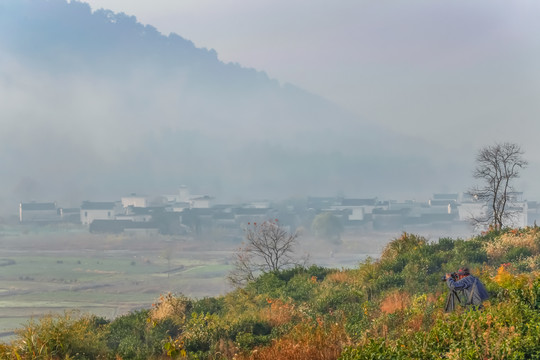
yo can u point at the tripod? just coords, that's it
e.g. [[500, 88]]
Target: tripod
[[451, 301]]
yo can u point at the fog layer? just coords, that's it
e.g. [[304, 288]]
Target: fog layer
[[94, 105]]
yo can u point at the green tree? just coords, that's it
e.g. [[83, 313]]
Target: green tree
[[327, 225]]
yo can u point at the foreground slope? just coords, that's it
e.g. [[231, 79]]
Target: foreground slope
[[390, 308]]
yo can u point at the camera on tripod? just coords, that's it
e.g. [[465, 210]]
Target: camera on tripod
[[453, 275]]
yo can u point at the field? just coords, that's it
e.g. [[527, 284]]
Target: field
[[44, 270], [52, 271]]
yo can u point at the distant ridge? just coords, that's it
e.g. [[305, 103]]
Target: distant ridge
[[97, 104]]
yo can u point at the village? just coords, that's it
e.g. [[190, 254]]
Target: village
[[184, 213]]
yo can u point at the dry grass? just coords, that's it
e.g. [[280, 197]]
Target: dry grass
[[530, 240], [170, 307], [279, 312], [342, 277], [395, 301], [305, 342]]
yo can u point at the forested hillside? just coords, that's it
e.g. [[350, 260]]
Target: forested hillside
[[98, 105], [386, 308]]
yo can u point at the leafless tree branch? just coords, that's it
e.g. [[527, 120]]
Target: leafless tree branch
[[497, 166], [268, 247]]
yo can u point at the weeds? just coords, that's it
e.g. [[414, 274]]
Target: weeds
[[391, 308]]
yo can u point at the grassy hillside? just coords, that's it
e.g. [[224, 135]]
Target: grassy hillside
[[389, 308]]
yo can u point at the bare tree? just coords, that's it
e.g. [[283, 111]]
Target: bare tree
[[498, 166], [268, 247]]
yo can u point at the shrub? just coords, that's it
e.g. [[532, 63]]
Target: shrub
[[134, 336], [62, 336], [279, 313], [306, 341], [201, 333], [389, 280], [209, 305], [443, 245], [395, 301], [175, 308], [357, 318], [505, 246], [330, 299], [300, 288], [470, 251], [517, 253], [269, 284]]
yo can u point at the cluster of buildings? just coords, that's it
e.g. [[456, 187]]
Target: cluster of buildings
[[183, 213]]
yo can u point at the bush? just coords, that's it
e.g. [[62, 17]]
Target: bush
[[389, 280], [300, 288], [444, 244], [209, 305], [516, 254], [134, 336], [470, 251], [62, 336], [268, 284], [333, 298], [201, 333]]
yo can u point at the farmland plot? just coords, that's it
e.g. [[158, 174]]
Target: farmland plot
[[43, 272]]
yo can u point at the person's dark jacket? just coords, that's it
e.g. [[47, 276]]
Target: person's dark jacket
[[469, 284]]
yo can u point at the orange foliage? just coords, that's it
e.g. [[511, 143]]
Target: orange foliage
[[305, 342], [415, 322], [279, 312], [338, 277], [508, 280], [395, 301]]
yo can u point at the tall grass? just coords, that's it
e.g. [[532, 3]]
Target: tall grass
[[66, 336]]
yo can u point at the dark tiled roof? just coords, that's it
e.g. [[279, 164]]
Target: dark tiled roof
[[442, 202], [317, 202], [445, 197], [141, 225], [202, 197], [109, 226], [250, 211], [38, 206], [429, 218], [88, 205], [359, 202], [223, 216], [199, 211], [71, 210], [391, 212], [146, 210]]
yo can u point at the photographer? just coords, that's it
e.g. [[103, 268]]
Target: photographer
[[465, 289]]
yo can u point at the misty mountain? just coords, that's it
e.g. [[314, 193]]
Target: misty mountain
[[94, 105]]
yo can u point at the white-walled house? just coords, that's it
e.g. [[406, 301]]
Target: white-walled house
[[91, 211], [471, 210], [38, 212], [143, 201], [184, 197], [358, 208], [135, 200], [200, 202], [518, 215], [517, 212], [135, 214]]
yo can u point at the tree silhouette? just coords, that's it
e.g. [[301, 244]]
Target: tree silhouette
[[268, 247], [497, 166]]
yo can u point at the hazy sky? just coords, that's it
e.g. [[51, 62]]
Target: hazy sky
[[456, 75], [457, 71]]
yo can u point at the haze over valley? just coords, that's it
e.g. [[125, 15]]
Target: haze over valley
[[355, 123], [94, 104]]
